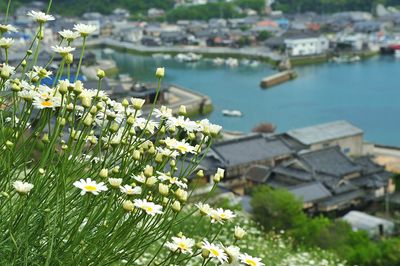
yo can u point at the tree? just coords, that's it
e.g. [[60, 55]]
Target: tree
[[276, 209], [264, 35]]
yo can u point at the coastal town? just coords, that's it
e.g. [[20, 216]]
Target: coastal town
[[330, 167]]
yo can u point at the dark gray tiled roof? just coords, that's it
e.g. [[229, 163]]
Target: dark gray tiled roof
[[342, 199], [293, 172], [310, 192], [330, 161], [368, 166], [258, 173], [249, 149]]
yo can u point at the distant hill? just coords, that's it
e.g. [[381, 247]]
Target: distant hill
[[78, 7], [330, 6]]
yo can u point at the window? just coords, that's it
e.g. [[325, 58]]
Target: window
[[346, 150]]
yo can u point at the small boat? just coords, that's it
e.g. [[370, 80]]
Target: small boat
[[397, 53], [254, 63], [108, 51], [232, 62], [189, 57], [161, 56], [245, 62], [346, 59], [218, 61], [234, 113]]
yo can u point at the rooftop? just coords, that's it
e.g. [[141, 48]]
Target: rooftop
[[310, 192], [324, 132]]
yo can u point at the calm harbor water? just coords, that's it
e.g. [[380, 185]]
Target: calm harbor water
[[366, 93]]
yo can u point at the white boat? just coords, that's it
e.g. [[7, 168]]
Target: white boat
[[245, 62], [189, 57], [346, 59], [218, 61], [108, 51], [161, 56], [235, 113], [254, 63], [232, 62], [397, 53]]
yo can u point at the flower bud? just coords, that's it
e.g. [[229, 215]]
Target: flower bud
[[88, 121], [151, 181], [103, 173], [130, 120], [163, 189], [176, 206], [128, 205], [114, 127], [93, 110], [86, 102], [115, 170], [200, 173], [136, 155], [159, 158], [182, 110], [239, 232], [148, 171], [160, 72], [69, 58], [78, 87], [125, 103], [100, 73], [137, 103], [181, 194]]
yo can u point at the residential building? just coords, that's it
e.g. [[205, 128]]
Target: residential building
[[306, 45]]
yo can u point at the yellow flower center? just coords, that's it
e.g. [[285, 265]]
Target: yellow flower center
[[182, 246], [250, 262], [47, 104], [182, 148], [90, 188], [214, 252], [148, 208]]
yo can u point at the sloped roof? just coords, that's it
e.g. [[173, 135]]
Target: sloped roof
[[258, 173], [293, 172], [364, 221], [369, 166], [341, 199], [310, 192], [324, 132], [330, 161], [250, 148]]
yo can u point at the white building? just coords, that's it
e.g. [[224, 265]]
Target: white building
[[374, 226], [304, 46]]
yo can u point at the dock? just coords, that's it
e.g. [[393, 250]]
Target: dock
[[278, 78]]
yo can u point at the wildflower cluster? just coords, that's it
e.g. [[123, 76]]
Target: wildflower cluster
[[85, 179]]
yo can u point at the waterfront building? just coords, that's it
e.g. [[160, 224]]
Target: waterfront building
[[306, 45], [338, 133]]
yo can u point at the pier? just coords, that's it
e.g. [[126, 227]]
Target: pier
[[278, 78]]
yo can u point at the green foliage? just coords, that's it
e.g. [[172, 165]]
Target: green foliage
[[78, 7], [264, 35], [257, 5], [276, 209], [203, 12], [330, 6]]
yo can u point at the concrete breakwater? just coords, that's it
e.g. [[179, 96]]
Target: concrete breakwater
[[260, 53], [278, 78]]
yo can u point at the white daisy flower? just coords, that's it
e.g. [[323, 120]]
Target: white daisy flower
[[6, 71], [62, 50], [220, 215], [84, 29], [172, 180], [42, 103], [142, 123], [6, 42], [183, 244], [40, 16], [182, 122], [90, 186], [204, 208], [140, 178], [22, 187], [182, 146], [147, 206], [115, 182], [163, 112], [167, 152], [7, 28], [129, 190], [250, 261], [233, 253], [215, 251], [69, 35]]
